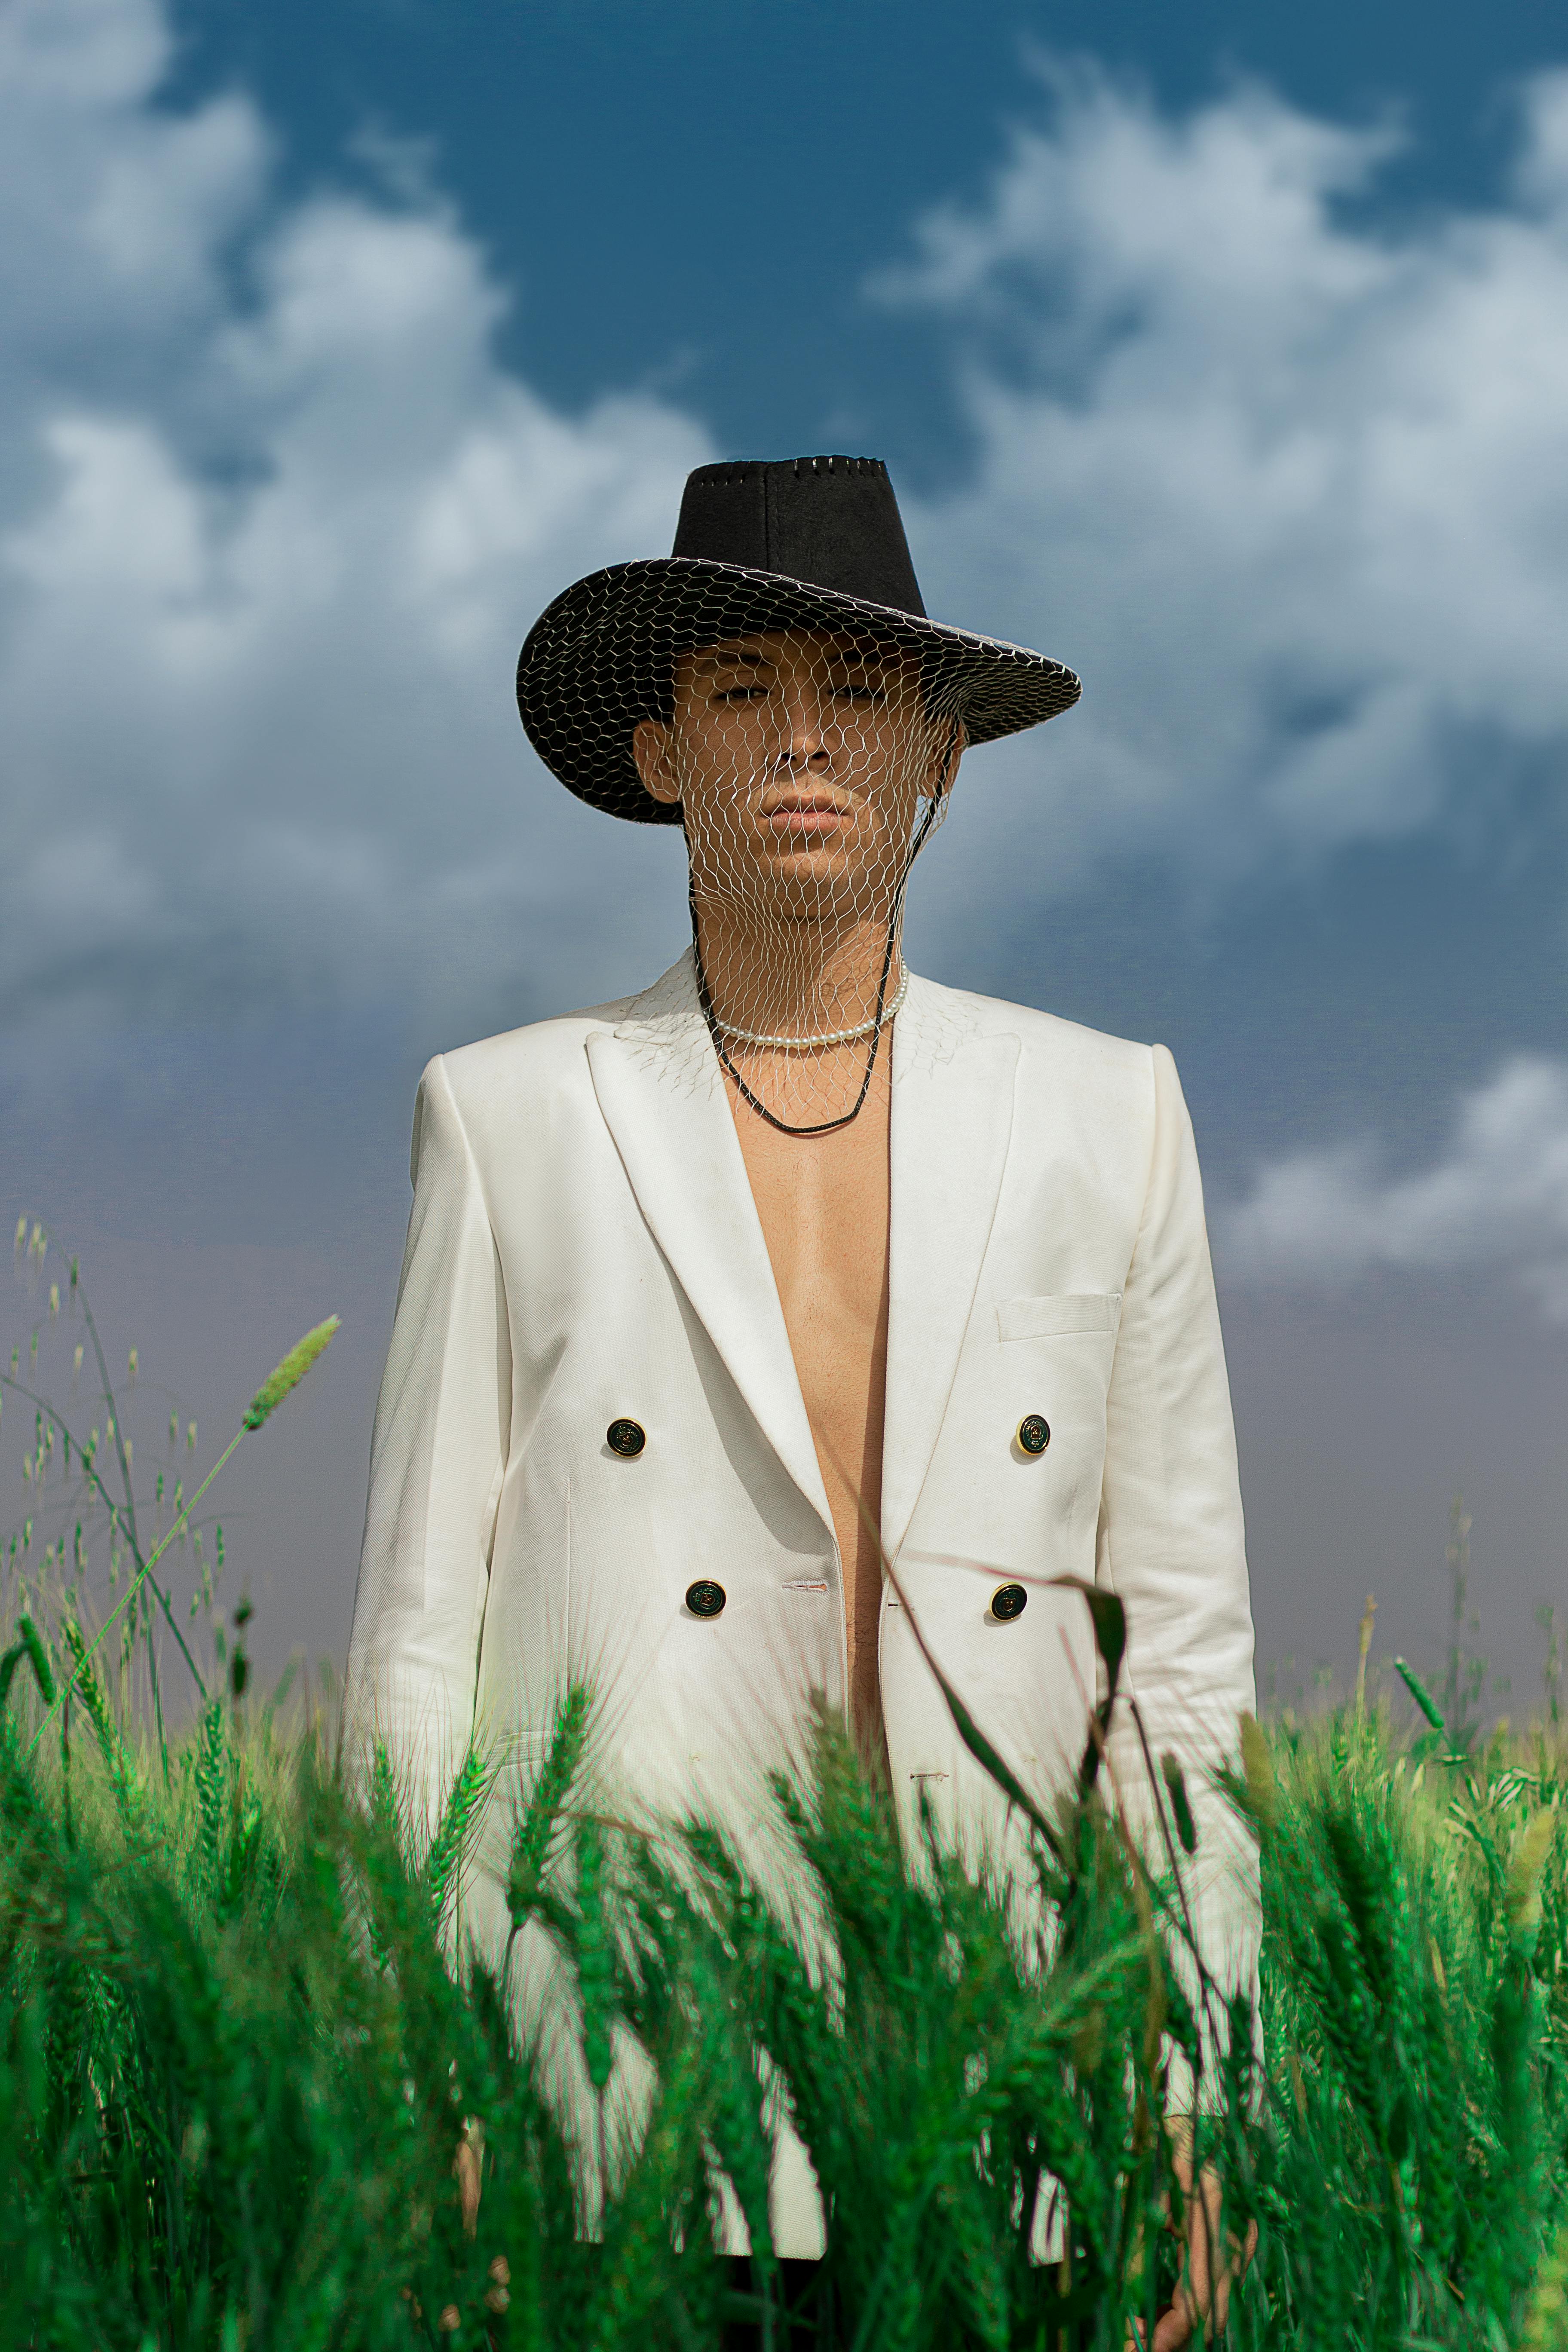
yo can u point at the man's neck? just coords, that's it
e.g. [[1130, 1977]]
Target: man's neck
[[793, 978]]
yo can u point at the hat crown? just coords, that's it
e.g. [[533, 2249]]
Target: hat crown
[[833, 522]]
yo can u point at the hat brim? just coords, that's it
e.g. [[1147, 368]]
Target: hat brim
[[598, 660]]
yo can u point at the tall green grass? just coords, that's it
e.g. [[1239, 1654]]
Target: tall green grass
[[240, 2045]]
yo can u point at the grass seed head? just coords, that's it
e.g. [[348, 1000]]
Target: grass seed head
[[1522, 1895], [1257, 1767], [1419, 1693], [290, 1371]]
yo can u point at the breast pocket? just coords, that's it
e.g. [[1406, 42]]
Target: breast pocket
[[1095, 1312]]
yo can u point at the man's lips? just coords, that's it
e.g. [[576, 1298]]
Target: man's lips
[[812, 816]]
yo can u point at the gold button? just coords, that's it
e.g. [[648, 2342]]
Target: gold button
[[1033, 1434], [625, 1438], [705, 1599], [1008, 1601]]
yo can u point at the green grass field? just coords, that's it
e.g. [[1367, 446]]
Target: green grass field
[[235, 2064]]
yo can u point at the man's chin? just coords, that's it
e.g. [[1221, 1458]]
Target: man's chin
[[799, 881], [829, 868]]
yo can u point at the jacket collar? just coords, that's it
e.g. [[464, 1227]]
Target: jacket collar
[[662, 1096], [951, 1128]]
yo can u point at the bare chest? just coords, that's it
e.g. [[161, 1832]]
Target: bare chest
[[822, 1204], [822, 1201]]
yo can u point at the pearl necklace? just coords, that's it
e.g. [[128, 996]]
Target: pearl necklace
[[832, 1037]]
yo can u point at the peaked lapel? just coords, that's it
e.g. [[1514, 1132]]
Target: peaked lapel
[[658, 1088], [950, 1125]]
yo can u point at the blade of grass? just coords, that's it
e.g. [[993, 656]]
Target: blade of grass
[[287, 1376]]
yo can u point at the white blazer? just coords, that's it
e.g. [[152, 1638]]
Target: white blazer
[[585, 1248]]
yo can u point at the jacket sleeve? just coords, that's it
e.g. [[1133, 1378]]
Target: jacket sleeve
[[1172, 1543], [438, 1457]]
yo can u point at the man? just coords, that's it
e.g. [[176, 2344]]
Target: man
[[715, 1295]]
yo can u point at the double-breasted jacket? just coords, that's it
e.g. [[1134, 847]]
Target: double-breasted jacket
[[584, 1252]]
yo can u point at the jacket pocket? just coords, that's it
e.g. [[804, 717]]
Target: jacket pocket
[[1056, 1318]]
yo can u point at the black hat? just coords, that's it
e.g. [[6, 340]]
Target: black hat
[[805, 542]]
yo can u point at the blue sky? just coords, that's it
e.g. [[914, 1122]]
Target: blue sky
[[1223, 356]]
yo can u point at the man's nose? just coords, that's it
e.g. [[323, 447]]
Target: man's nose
[[805, 728]]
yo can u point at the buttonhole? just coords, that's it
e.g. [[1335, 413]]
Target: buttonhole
[[806, 1584]]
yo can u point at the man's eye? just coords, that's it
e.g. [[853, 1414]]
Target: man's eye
[[742, 694]]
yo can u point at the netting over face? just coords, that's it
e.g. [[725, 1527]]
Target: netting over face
[[776, 686], [808, 766]]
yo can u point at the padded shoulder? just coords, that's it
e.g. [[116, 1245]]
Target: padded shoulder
[[540, 1056], [1044, 1033]]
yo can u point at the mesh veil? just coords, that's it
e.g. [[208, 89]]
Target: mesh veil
[[809, 768], [776, 686]]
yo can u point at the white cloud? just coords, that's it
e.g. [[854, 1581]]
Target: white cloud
[[1495, 1197], [1291, 489], [259, 735], [115, 214], [1292, 492]]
